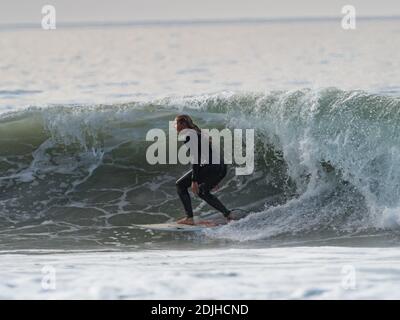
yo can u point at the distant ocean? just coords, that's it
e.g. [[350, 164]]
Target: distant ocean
[[76, 104]]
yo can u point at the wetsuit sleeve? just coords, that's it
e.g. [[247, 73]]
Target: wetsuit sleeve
[[196, 166], [195, 172]]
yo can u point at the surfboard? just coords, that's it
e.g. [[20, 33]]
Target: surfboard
[[215, 218], [173, 227]]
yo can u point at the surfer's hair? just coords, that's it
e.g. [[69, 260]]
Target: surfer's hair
[[187, 122]]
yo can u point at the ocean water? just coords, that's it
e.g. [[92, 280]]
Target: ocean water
[[76, 104]]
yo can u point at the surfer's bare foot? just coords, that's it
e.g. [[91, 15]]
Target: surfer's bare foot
[[186, 220]]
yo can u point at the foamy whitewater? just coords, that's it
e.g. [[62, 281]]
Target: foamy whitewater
[[324, 199]]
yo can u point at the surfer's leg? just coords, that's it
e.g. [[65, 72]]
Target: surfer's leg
[[213, 201], [182, 185], [209, 178]]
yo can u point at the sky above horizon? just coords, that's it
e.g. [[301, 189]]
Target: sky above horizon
[[22, 11]]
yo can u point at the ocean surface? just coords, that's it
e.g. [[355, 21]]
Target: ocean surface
[[324, 199]]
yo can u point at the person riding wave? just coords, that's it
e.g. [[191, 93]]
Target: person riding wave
[[203, 177]]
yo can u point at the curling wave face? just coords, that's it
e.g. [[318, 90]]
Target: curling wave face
[[326, 166]]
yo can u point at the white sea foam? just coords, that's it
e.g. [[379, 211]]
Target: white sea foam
[[276, 273]]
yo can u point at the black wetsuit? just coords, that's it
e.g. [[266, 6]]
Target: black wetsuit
[[207, 176]]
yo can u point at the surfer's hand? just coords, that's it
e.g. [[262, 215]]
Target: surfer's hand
[[195, 187], [216, 188]]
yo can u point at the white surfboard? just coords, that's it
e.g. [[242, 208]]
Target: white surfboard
[[173, 227], [176, 227]]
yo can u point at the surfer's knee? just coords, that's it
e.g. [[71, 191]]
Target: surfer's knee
[[178, 187], [202, 195], [203, 192]]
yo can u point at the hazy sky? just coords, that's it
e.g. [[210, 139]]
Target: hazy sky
[[24, 11]]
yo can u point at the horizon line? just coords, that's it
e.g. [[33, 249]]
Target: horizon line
[[188, 22]]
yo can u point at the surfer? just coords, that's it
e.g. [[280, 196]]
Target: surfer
[[202, 178]]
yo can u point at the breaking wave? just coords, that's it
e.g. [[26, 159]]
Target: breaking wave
[[327, 164]]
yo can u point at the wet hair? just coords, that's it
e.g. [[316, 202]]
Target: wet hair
[[188, 122]]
